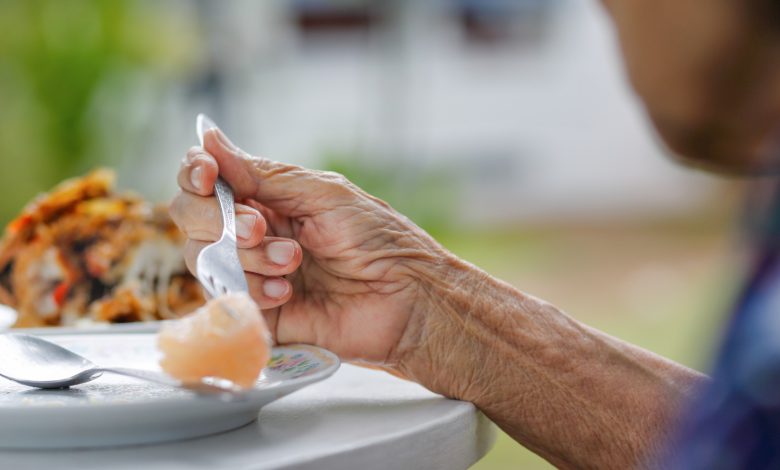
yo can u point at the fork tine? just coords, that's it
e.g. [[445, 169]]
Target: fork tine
[[206, 280], [219, 287], [222, 289]]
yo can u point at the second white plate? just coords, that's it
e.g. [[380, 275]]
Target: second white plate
[[98, 328], [8, 318]]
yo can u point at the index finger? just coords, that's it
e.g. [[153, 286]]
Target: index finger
[[198, 172]]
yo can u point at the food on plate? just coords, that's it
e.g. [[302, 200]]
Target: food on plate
[[83, 254], [226, 338]]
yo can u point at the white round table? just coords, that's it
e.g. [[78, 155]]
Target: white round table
[[357, 419]]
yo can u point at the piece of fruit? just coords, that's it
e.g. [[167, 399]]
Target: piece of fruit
[[226, 338]]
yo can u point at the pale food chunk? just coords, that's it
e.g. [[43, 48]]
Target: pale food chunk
[[226, 338]]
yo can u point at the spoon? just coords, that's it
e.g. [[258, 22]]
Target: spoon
[[35, 362]]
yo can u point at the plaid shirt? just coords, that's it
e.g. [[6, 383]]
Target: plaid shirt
[[734, 423]]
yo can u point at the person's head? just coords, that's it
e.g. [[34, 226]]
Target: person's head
[[708, 72]]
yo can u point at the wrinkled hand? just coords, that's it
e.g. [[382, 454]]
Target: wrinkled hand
[[329, 264]]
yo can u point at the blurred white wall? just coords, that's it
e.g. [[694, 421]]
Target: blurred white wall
[[548, 130]]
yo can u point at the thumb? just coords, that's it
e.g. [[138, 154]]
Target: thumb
[[290, 190]]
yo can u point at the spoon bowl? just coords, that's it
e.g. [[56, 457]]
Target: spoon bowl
[[35, 362]]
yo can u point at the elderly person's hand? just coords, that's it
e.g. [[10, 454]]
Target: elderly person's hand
[[333, 266], [329, 264]]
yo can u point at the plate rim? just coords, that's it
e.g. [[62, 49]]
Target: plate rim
[[146, 327], [281, 388]]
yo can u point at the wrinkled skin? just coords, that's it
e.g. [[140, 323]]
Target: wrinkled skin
[[354, 275], [333, 266], [366, 283]]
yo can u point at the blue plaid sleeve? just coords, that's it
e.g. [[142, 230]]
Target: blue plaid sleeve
[[734, 423]]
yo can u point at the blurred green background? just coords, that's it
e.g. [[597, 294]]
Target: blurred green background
[[68, 69], [505, 128]]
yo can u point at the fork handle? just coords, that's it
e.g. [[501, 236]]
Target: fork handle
[[227, 204]]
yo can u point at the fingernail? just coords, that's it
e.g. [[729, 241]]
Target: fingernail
[[223, 139], [196, 177], [281, 252], [275, 288], [245, 224]]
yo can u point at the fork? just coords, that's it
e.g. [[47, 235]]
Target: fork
[[218, 267]]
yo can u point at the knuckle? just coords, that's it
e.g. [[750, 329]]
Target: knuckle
[[175, 207], [194, 215], [265, 166], [336, 182], [190, 255], [333, 177], [209, 214], [192, 153]]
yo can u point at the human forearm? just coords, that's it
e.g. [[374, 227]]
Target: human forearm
[[572, 394], [374, 288]]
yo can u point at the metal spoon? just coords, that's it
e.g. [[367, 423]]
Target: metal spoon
[[35, 362]]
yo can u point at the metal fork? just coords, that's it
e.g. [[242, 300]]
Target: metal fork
[[217, 266]]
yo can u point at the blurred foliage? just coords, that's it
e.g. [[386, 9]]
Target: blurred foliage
[[68, 69], [425, 195]]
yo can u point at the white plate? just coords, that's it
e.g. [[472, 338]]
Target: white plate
[[97, 328], [116, 411], [8, 318]]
